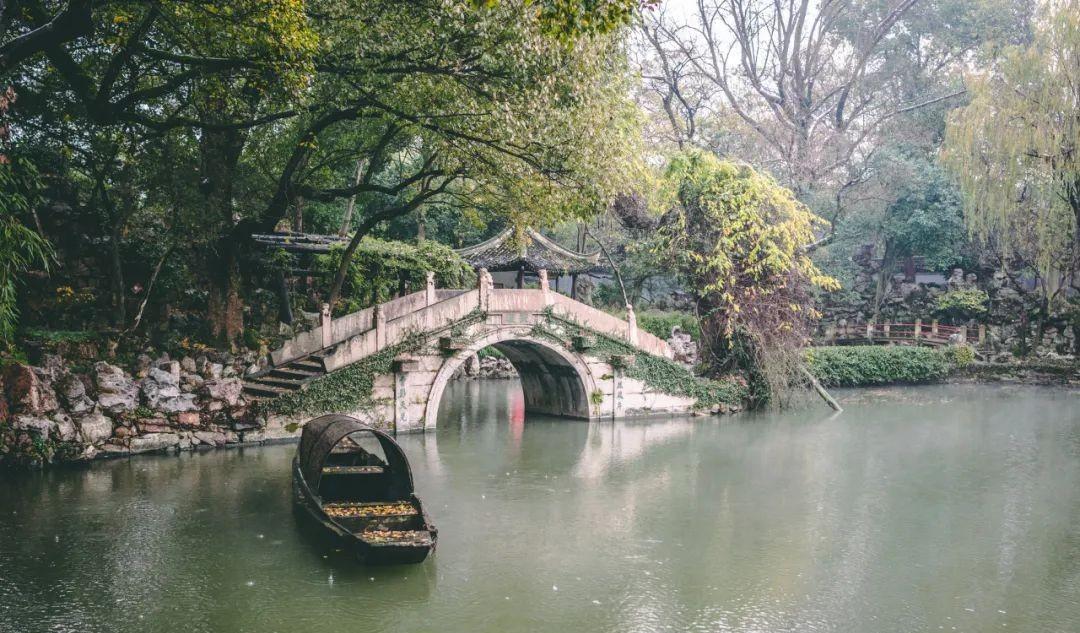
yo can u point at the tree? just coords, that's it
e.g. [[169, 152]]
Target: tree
[[811, 91], [1015, 150], [924, 219], [739, 241], [265, 107]]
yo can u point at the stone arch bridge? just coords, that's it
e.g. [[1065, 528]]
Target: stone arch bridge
[[538, 330]]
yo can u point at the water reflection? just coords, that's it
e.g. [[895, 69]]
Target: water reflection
[[915, 510]]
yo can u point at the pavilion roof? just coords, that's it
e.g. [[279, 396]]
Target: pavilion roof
[[537, 252]]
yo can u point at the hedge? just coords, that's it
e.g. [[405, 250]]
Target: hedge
[[865, 365]]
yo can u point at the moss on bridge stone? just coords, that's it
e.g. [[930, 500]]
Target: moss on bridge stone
[[656, 372]]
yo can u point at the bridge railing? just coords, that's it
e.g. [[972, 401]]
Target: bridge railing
[[932, 332], [432, 308]]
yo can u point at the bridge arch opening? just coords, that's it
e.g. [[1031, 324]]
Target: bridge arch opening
[[554, 381]]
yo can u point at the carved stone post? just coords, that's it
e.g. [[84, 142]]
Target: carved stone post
[[380, 327], [483, 285], [918, 328], [545, 286], [430, 287], [631, 325], [326, 323]]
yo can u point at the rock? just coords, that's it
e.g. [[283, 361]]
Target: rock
[[165, 377], [188, 419], [72, 393], [122, 432], [27, 393], [66, 431], [212, 371], [113, 449], [227, 390], [39, 426], [202, 365], [211, 438], [52, 365], [191, 382], [472, 366], [116, 392], [110, 378], [181, 403], [154, 442], [94, 427], [153, 425], [142, 365], [228, 372], [187, 364]]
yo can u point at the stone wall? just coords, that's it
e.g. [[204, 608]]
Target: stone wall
[[57, 413]]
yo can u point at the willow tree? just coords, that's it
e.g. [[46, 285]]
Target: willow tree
[[1015, 150], [739, 241]]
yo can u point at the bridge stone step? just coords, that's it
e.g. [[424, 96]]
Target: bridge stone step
[[284, 383], [294, 373], [261, 391], [307, 364]]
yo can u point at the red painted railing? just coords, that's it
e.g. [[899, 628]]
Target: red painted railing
[[931, 333]]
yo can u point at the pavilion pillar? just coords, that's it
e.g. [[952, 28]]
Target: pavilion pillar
[[430, 298], [521, 277]]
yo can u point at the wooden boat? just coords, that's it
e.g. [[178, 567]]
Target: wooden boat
[[362, 499]]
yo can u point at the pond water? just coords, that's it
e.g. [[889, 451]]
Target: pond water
[[951, 508]]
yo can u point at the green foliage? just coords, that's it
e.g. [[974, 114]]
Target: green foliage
[[961, 305], [657, 372], [61, 336], [251, 339], [346, 389], [926, 219], [568, 19], [659, 323], [490, 352], [1013, 148], [350, 388], [21, 248], [960, 355], [738, 242], [866, 365], [379, 266]]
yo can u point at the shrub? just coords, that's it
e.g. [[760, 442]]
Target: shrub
[[660, 323], [961, 305], [960, 355], [864, 365]]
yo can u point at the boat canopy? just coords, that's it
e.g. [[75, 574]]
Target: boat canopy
[[321, 435]]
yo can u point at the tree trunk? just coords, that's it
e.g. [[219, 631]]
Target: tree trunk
[[884, 281], [285, 314], [220, 152], [120, 310]]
